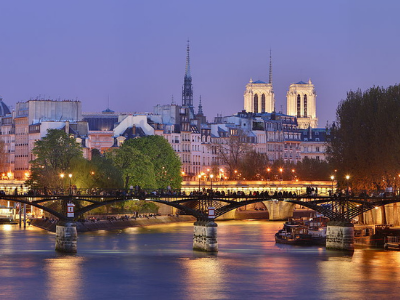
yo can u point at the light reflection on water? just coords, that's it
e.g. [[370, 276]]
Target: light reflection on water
[[158, 262]]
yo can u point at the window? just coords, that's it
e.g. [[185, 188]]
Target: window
[[263, 103], [256, 103], [298, 106], [305, 105]]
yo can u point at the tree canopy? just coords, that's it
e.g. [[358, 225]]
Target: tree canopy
[[149, 162], [365, 140], [231, 151], [54, 154]]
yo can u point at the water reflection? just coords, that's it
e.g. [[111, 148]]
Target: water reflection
[[64, 277], [157, 262], [203, 276]]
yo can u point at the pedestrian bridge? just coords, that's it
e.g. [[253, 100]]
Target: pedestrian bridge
[[206, 207]]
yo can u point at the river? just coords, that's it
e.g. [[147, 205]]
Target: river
[[158, 262]]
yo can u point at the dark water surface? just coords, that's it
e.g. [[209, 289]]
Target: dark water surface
[[158, 262]]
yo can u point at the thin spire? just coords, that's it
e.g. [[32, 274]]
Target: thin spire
[[187, 69], [187, 91], [270, 66], [200, 112]]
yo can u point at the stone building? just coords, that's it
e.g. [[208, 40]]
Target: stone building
[[259, 96], [301, 102]]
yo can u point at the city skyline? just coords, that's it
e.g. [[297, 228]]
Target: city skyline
[[130, 56]]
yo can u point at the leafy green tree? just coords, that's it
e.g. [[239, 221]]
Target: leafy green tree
[[54, 155], [136, 167], [104, 173], [365, 140], [166, 163]]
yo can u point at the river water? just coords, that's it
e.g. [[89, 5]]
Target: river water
[[158, 262]]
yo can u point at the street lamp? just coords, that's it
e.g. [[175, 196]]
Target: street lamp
[[332, 178], [199, 176], [70, 186], [268, 170], [281, 170], [211, 177], [62, 182], [347, 179]]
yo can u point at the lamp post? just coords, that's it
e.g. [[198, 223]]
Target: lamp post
[[62, 181], [332, 178], [347, 180], [281, 170], [199, 176], [269, 170], [211, 177], [70, 186]]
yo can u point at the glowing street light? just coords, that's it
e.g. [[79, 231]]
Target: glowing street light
[[332, 178], [268, 170], [199, 176], [347, 180], [70, 185], [211, 177]]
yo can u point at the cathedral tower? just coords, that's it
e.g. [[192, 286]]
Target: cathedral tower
[[259, 96], [301, 102]]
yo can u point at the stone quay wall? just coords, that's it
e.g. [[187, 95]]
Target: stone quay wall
[[114, 224]]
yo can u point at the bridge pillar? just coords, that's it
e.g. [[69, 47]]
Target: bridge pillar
[[340, 235], [279, 210], [205, 236], [66, 237]]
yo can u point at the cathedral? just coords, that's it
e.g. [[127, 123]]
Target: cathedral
[[259, 95], [300, 100]]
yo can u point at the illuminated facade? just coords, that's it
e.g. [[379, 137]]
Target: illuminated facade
[[259, 96], [301, 103]]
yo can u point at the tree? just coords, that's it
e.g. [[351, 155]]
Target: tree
[[231, 150], [104, 173], [365, 140], [166, 163], [313, 169], [54, 154], [253, 165], [137, 168]]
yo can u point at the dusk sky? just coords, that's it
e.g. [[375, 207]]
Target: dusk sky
[[133, 52]]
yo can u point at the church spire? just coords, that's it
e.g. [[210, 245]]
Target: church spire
[[187, 91], [187, 69], [200, 111], [270, 67]]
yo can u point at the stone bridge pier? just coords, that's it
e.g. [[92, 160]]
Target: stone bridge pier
[[279, 210], [205, 236], [340, 235], [66, 237]]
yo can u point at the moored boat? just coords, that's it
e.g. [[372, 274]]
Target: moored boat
[[301, 232], [392, 243], [293, 234]]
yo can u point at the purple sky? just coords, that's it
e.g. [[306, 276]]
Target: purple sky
[[133, 52]]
